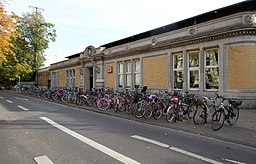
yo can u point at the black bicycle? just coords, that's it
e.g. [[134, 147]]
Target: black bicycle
[[224, 113], [205, 108]]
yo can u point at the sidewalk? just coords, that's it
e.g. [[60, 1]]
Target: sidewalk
[[243, 132]]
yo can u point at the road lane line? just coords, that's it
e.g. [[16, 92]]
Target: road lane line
[[194, 155], [43, 160], [21, 98], [9, 101], [151, 141], [1, 97], [102, 148], [23, 108], [176, 149], [233, 161]]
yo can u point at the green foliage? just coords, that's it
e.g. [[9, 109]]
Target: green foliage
[[7, 29], [35, 34], [33, 37]]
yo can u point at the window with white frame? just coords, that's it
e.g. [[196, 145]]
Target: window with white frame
[[81, 72], [120, 74], [178, 71], [55, 79], [193, 70], [136, 73], [67, 80], [128, 76], [211, 72], [71, 76]]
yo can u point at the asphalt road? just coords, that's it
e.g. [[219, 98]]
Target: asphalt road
[[38, 131]]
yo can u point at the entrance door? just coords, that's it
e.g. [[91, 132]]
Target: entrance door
[[91, 78], [48, 84]]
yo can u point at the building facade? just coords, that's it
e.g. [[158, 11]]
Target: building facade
[[43, 77], [208, 53]]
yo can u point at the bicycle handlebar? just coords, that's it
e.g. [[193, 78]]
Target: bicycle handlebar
[[221, 97]]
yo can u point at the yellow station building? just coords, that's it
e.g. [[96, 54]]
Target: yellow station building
[[211, 52]]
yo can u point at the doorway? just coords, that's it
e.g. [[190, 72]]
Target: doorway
[[91, 78]]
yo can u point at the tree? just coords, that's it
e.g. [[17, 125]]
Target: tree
[[7, 29], [27, 46], [34, 38]]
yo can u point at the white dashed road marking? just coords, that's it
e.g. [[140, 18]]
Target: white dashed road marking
[[151, 141], [194, 155], [9, 101], [176, 149], [102, 148], [43, 160], [23, 108], [232, 161], [21, 98]]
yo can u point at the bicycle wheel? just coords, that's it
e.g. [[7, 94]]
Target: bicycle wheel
[[218, 119], [103, 104], [79, 101], [158, 111], [64, 99], [116, 106], [190, 111], [91, 101], [139, 110], [233, 115], [45, 95], [170, 115], [148, 111], [130, 107], [198, 117], [212, 109], [122, 106], [55, 97]]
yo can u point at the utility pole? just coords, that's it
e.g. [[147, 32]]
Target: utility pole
[[37, 37], [37, 9]]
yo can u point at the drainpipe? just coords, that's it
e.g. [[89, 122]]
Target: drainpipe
[[94, 72]]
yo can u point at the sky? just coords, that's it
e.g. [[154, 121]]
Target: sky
[[80, 23]]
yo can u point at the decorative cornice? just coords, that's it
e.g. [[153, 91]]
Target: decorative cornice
[[180, 42], [64, 65], [214, 37]]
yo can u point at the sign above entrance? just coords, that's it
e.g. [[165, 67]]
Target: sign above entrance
[[109, 69]]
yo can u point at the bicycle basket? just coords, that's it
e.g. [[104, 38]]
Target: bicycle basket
[[235, 102], [199, 102]]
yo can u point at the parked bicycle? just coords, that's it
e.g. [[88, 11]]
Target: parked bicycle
[[229, 113], [150, 105], [182, 106], [162, 104], [174, 105], [106, 101], [205, 108], [140, 101]]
